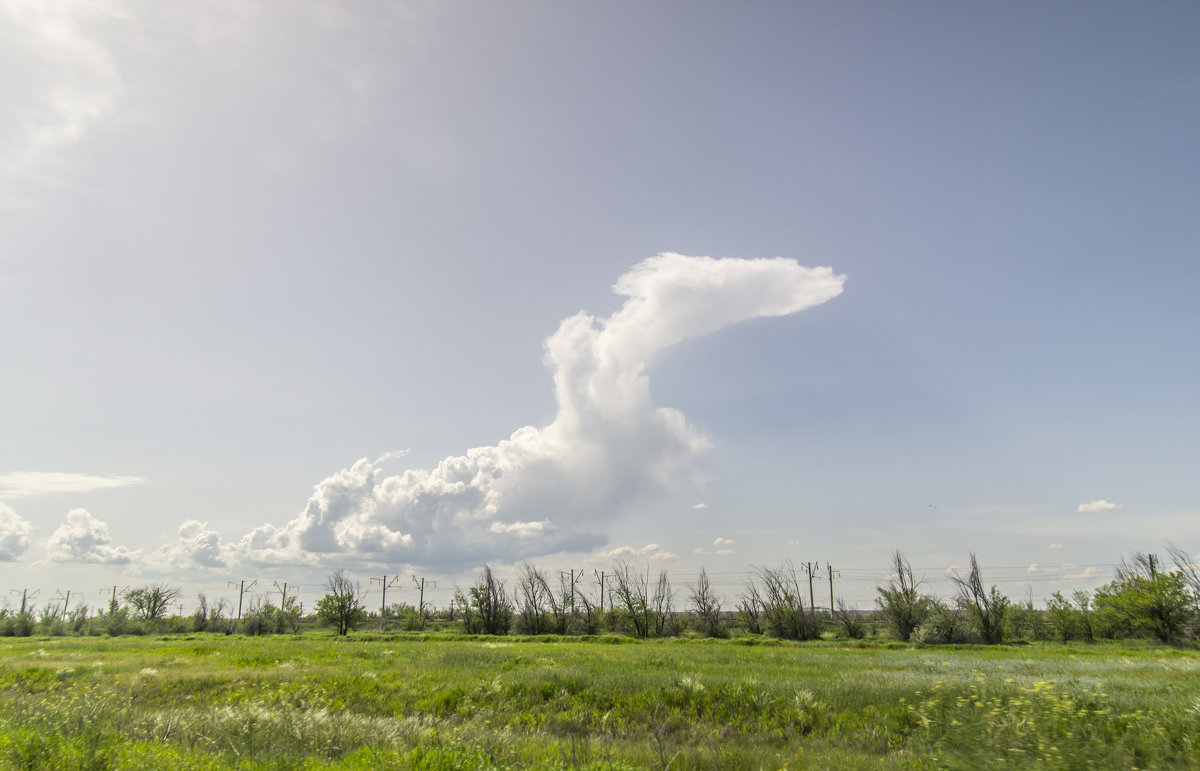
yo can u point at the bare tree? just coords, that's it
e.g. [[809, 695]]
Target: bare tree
[[200, 618], [631, 597], [849, 621], [662, 605], [751, 606], [1187, 568], [706, 606], [1137, 566], [534, 600], [987, 608], [783, 604], [588, 615]]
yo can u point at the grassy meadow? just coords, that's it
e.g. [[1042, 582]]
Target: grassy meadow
[[409, 701]]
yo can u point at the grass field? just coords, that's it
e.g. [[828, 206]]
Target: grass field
[[367, 702]]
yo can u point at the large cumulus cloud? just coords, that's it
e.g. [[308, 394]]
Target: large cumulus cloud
[[85, 539], [197, 547], [14, 534], [553, 488]]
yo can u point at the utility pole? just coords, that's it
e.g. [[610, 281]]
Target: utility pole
[[65, 606], [283, 593], [242, 588], [572, 583], [829, 568], [421, 602], [809, 567], [383, 603], [600, 579], [112, 605], [25, 597]]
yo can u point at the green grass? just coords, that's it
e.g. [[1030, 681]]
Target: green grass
[[370, 702]]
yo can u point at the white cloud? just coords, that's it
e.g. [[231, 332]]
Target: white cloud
[[195, 547], [1093, 507], [1056, 546], [723, 542], [68, 80], [1079, 575], [24, 484], [724, 552], [83, 538], [700, 506], [1033, 568], [551, 489], [650, 551], [14, 534], [527, 529]]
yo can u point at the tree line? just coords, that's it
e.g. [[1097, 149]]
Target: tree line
[[1145, 599]]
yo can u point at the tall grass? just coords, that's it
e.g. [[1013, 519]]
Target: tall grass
[[406, 702]]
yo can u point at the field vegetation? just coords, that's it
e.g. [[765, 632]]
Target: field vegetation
[[407, 700], [543, 675]]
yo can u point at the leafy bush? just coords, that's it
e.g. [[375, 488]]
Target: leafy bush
[[1071, 619], [19, 624], [342, 607], [904, 607], [783, 611], [941, 624], [850, 624], [152, 601], [1159, 606], [486, 609]]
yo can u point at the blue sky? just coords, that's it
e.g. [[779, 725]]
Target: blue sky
[[245, 246]]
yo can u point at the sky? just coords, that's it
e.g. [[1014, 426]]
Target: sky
[[406, 287]]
